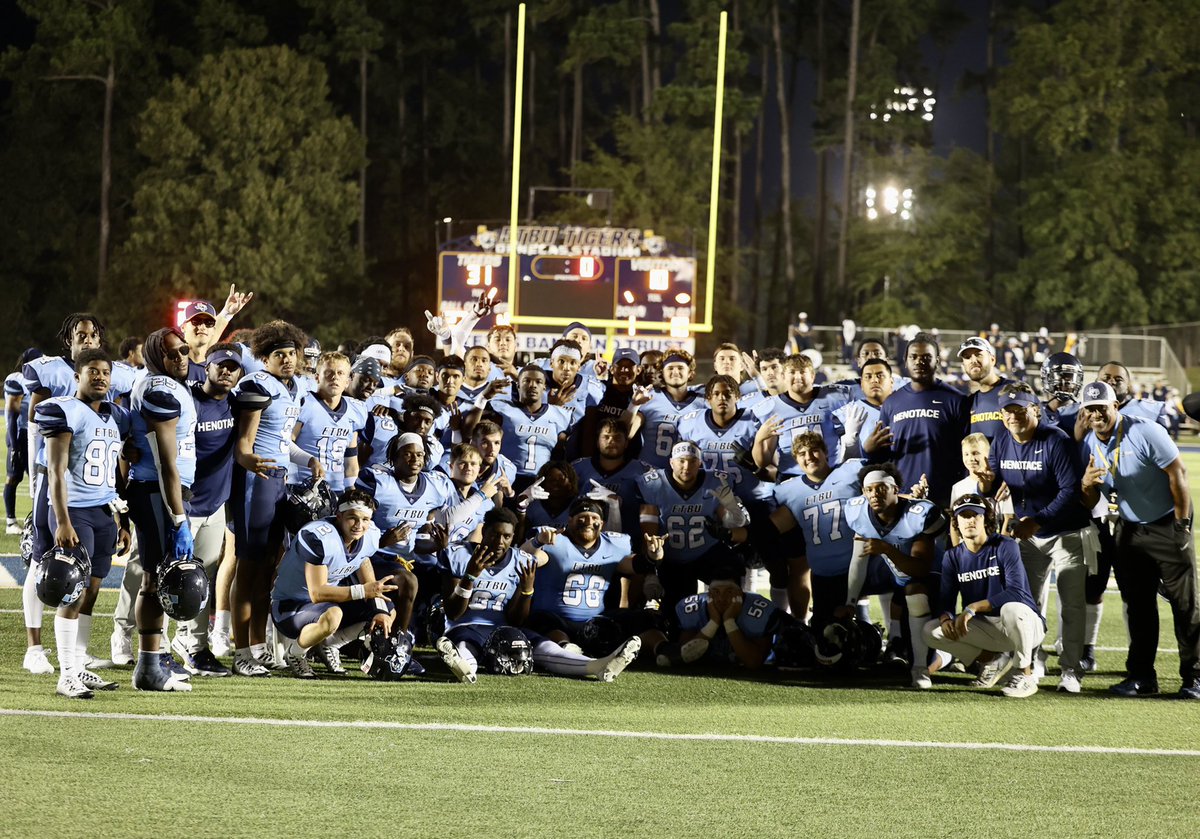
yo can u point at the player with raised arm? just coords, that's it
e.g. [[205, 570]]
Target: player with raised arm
[[84, 434], [329, 423]]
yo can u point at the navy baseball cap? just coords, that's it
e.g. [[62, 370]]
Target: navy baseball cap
[[1016, 397], [625, 354], [977, 344], [1097, 393], [221, 356], [369, 367], [969, 503], [197, 308]]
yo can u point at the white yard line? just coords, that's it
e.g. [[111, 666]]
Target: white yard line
[[629, 735]]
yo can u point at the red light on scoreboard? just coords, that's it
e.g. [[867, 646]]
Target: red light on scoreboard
[[181, 311], [587, 267]]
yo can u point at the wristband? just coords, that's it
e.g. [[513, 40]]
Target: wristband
[[178, 520], [969, 612], [358, 592], [469, 578], [535, 541], [710, 630], [526, 593], [464, 593], [731, 626]]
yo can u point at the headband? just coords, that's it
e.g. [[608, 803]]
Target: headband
[[685, 449], [569, 352], [879, 477], [409, 439], [281, 345], [674, 358], [379, 352], [346, 506]]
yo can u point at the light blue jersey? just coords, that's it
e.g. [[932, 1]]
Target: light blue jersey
[[817, 415], [758, 619], [52, 375], [818, 510], [492, 589], [274, 437], [718, 448], [158, 399], [396, 505], [96, 438], [14, 385], [529, 438], [917, 518], [377, 433], [573, 583], [682, 517], [320, 543], [122, 381], [326, 433], [660, 417]]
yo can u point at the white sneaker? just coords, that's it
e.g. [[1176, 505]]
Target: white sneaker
[[248, 666], [1068, 681], [1020, 685], [459, 666], [94, 682], [220, 643], [616, 663], [37, 663], [90, 662], [1039, 665], [121, 647], [920, 678], [991, 673], [14, 529], [71, 687]]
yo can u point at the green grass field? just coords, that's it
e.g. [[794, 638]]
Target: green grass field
[[800, 755]]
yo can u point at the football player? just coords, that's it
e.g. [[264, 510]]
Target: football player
[[488, 438], [725, 434], [84, 435], [420, 374], [16, 437], [164, 430], [860, 416], [45, 377], [802, 408], [502, 344], [329, 424], [612, 468], [532, 429], [268, 405], [902, 532], [400, 343], [567, 386], [723, 626], [490, 585], [477, 372], [680, 504], [662, 408]]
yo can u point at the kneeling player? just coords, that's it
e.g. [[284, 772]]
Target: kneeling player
[[901, 531], [327, 585], [999, 620], [577, 567], [489, 586]]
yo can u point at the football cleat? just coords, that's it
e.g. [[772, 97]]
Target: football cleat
[[37, 663], [92, 681], [297, 663], [1135, 687], [1190, 688], [92, 663], [12, 528], [72, 687], [1020, 686], [616, 663], [1068, 681], [155, 678], [329, 656], [1087, 661], [459, 666], [244, 665], [174, 667], [920, 678]]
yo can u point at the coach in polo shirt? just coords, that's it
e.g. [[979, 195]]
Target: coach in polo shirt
[[1135, 464], [1041, 466]]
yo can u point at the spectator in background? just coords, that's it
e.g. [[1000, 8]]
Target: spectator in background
[[846, 340], [799, 337], [1014, 359], [1042, 345], [996, 338]]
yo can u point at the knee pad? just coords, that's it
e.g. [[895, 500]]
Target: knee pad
[[918, 605]]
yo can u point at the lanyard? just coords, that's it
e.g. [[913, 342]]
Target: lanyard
[[1112, 469]]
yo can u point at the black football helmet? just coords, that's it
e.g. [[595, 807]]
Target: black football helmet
[[599, 636], [182, 587], [391, 655], [1062, 377], [795, 646], [849, 643], [27, 541], [508, 652], [307, 502], [62, 575]]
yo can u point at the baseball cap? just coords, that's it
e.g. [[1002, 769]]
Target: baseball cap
[[221, 356], [1016, 397], [625, 354], [369, 367], [197, 308], [1097, 393], [969, 502], [380, 352], [977, 344]]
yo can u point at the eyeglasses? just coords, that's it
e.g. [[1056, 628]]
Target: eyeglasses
[[206, 323], [178, 354]]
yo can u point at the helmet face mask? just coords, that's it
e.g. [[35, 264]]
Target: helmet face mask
[[309, 502], [1062, 377], [182, 588], [508, 652]]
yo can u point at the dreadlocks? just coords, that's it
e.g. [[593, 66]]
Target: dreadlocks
[[67, 330], [152, 350]]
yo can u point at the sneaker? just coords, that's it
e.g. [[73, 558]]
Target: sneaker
[[121, 646], [71, 687], [1190, 688], [37, 663], [220, 644], [1039, 665], [617, 662], [330, 657], [1087, 661], [459, 666], [248, 666], [158, 678], [206, 664], [92, 681], [941, 661], [893, 655], [174, 667], [297, 662], [1135, 687], [90, 662], [993, 671], [1020, 685], [1068, 681], [11, 528], [920, 678]]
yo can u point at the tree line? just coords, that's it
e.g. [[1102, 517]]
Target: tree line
[[305, 148]]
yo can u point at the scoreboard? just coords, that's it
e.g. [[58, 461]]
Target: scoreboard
[[604, 277]]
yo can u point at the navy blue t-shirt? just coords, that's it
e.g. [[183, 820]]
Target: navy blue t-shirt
[[927, 431], [215, 439], [1044, 478]]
